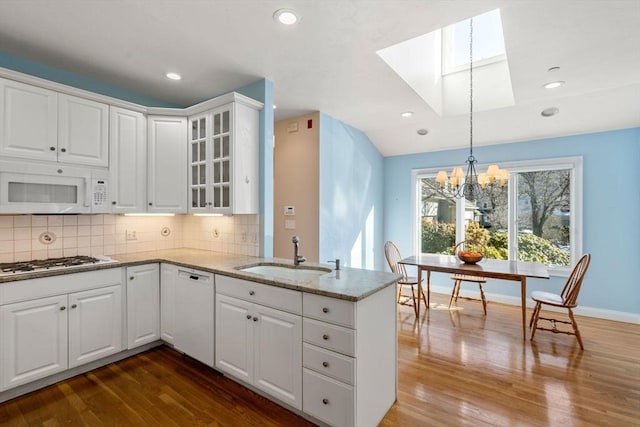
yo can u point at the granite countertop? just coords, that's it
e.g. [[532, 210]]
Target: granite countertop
[[350, 284]]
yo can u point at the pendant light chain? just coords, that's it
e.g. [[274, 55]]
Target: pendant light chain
[[471, 87]]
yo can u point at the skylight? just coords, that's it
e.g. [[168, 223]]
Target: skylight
[[488, 42], [436, 66]]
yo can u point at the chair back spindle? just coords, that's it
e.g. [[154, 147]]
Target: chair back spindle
[[574, 282], [392, 253]]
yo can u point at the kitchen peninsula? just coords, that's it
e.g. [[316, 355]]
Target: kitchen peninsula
[[323, 346]]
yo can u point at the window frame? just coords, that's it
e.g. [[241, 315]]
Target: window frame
[[575, 164]]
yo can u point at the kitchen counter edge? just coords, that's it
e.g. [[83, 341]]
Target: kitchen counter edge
[[349, 284]]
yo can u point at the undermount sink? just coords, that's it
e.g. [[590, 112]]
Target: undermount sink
[[295, 273]]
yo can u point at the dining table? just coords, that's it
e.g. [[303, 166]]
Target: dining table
[[517, 271]]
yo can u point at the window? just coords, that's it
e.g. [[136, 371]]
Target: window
[[537, 217]]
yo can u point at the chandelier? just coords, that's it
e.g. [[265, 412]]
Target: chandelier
[[470, 185]]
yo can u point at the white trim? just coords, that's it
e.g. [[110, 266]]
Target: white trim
[[181, 112], [598, 313], [69, 90]]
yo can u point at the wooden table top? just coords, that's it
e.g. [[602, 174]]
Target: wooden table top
[[495, 268]]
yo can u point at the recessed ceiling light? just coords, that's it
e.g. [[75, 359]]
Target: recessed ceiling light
[[422, 132], [553, 85], [173, 76], [407, 114], [285, 16], [548, 112]]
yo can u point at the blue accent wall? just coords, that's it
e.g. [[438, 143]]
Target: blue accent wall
[[611, 203], [75, 80], [351, 196], [262, 91]]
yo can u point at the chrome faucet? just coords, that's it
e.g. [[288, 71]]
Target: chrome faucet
[[297, 259]]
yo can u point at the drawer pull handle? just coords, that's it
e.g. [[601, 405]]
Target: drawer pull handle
[[325, 310], [63, 308], [255, 319], [252, 293], [325, 337], [74, 306], [325, 401], [249, 316], [325, 364]]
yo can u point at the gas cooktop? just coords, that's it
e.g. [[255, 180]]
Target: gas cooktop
[[50, 264]]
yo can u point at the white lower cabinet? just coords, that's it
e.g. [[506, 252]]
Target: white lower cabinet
[[349, 358], [187, 304], [34, 340], [258, 344], [143, 304], [43, 335]]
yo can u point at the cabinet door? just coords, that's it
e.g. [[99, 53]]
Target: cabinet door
[[199, 167], [234, 337], [221, 159], [194, 315], [95, 324], [278, 354], [128, 154], [83, 131], [167, 177], [143, 305], [28, 121], [168, 279], [34, 340]]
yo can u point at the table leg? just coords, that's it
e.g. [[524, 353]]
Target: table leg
[[419, 291], [523, 290], [428, 289]]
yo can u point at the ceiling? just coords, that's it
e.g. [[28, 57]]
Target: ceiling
[[328, 62]]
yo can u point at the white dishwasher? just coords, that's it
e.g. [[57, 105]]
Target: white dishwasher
[[189, 294]]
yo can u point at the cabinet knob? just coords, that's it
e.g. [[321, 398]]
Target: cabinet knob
[[59, 171], [325, 364], [150, 204], [325, 401], [252, 293], [249, 316], [132, 277], [255, 319], [325, 310], [52, 148], [325, 337], [114, 202], [74, 306], [64, 150], [63, 308]]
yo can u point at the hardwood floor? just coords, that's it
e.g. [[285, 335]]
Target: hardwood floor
[[455, 367]]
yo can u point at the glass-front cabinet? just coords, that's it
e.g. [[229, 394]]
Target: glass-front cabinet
[[223, 160]]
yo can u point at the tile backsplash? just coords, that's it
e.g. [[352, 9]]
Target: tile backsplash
[[27, 237]]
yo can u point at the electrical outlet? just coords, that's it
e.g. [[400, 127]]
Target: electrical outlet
[[131, 235], [216, 233]]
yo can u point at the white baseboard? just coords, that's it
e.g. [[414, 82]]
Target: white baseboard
[[598, 313]]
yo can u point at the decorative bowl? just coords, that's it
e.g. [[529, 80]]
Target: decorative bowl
[[469, 257]]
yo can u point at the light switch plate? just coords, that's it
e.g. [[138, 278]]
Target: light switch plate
[[289, 210]]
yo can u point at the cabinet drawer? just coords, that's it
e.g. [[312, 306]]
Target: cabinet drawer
[[271, 296], [335, 365], [327, 399], [329, 336], [340, 312]]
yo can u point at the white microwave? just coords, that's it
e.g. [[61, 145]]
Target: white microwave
[[40, 188]]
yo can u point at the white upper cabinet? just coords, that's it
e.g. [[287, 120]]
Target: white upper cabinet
[[41, 124], [28, 121], [128, 153], [83, 131], [167, 162], [223, 160]]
